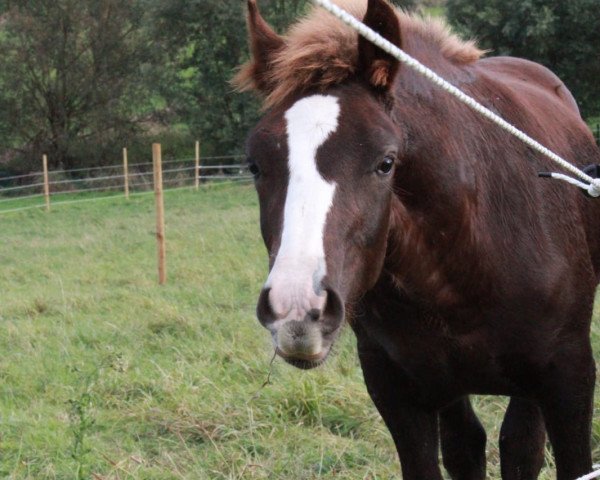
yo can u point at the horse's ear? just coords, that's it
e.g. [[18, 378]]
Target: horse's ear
[[378, 67], [264, 43]]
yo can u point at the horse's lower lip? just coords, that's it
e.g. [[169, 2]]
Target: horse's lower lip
[[304, 364], [317, 357]]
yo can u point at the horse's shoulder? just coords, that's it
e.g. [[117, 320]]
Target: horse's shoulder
[[525, 78]]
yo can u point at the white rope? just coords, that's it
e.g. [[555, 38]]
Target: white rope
[[589, 476], [566, 178], [592, 185]]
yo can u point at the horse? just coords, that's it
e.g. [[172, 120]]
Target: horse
[[387, 205]]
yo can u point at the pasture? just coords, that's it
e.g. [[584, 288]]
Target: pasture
[[106, 375]]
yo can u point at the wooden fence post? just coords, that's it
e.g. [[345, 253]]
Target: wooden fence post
[[160, 212], [126, 173], [46, 182], [197, 170]]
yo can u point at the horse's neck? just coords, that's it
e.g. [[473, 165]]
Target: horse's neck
[[425, 247], [434, 218], [415, 84]]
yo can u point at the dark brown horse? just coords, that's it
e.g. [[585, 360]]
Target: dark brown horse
[[464, 273]]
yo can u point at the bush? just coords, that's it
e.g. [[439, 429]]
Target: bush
[[562, 35]]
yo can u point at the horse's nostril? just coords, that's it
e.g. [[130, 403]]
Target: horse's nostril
[[334, 308], [327, 311], [264, 311]]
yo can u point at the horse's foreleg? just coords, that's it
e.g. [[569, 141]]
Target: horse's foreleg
[[566, 400], [414, 429], [463, 441], [522, 440]]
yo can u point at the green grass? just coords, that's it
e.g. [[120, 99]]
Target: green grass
[[105, 375]]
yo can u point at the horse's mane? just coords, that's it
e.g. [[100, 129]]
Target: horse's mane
[[320, 51]]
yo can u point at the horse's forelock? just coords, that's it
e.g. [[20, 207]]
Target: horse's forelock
[[320, 51]]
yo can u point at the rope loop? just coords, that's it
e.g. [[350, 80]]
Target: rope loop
[[594, 188]]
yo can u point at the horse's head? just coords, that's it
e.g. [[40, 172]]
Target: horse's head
[[324, 161]]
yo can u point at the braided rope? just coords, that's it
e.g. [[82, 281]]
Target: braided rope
[[592, 185], [589, 476]]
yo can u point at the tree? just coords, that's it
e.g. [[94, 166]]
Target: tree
[[562, 35], [207, 41], [71, 73]]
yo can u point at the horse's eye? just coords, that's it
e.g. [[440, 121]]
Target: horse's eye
[[253, 168], [385, 167]]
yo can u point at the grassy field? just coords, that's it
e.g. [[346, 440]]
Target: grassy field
[[105, 375]]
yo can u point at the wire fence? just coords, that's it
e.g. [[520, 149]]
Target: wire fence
[[21, 192], [27, 191]]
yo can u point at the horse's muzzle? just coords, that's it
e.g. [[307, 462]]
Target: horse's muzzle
[[303, 338]]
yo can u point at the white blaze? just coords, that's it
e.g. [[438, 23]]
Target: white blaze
[[300, 263]]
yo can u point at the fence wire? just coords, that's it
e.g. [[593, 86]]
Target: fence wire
[[119, 167], [225, 180], [140, 181]]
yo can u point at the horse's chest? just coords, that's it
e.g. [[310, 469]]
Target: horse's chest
[[438, 361]]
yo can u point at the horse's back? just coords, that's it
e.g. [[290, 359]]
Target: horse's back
[[525, 75], [536, 100]]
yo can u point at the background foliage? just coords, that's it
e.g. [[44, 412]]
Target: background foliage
[[564, 36], [82, 79], [73, 73]]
